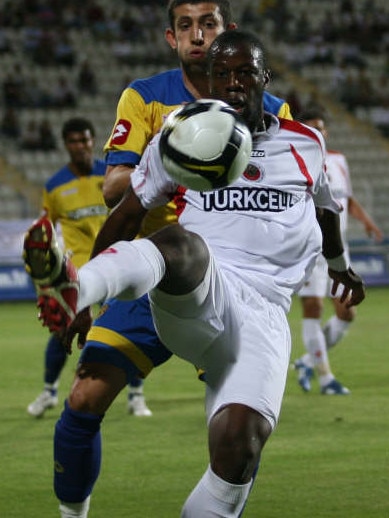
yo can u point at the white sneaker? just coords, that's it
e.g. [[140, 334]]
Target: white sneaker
[[137, 406], [75, 510], [44, 401]]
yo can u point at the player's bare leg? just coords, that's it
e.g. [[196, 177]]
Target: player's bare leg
[[236, 437], [337, 326]]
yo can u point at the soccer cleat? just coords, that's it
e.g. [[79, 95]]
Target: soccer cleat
[[304, 375], [54, 276], [137, 406], [334, 388], [43, 402]]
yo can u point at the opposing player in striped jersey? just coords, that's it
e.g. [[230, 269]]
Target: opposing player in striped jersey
[[224, 262], [73, 200], [318, 338]]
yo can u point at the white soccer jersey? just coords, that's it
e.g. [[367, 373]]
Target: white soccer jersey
[[339, 179], [263, 227], [319, 284]]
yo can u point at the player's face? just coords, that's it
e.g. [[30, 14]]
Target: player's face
[[237, 77], [318, 124], [195, 28], [79, 145]]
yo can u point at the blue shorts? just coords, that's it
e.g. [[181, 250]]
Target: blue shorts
[[123, 335]]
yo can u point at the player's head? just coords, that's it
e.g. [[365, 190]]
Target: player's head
[[223, 6], [238, 73], [194, 24], [77, 125], [315, 117], [79, 137]]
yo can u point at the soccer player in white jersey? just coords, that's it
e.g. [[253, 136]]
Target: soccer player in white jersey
[[221, 281], [318, 338]]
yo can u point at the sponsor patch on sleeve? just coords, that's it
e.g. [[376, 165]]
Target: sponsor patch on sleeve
[[120, 133]]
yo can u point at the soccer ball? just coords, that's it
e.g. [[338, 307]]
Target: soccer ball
[[205, 145]]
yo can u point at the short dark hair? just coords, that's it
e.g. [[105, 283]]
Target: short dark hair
[[237, 37], [78, 124], [224, 6], [311, 113]]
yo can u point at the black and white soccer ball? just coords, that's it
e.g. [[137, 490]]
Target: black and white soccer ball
[[205, 145]]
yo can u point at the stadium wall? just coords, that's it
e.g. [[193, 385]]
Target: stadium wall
[[369, 260]]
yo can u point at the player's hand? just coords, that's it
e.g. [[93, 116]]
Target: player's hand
[[51, 314], [80, 326], [354, 287]]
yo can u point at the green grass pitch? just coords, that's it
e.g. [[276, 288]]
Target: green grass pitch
[[328, 458]]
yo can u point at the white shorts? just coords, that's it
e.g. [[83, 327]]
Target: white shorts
[[318, 283], [237, 336]]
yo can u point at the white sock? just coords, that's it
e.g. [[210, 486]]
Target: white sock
[[136, 391], [213, 497], [307, 360], [130, 269], [315, 345], [75, 510], [52, 387], [334, 330]]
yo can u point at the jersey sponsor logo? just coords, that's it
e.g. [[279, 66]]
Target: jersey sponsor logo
[[248, 199], [86, 212], [258, 153], [69, 192], [254, 173], [120, 132]]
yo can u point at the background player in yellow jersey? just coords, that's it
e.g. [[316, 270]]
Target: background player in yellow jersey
[[73, 199], [122, 341]]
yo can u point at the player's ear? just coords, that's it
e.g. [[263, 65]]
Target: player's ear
[[266, 77], [231, 26], [170, 38]]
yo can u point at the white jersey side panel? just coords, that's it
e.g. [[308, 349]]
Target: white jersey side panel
[[262, 228], [339, 179]]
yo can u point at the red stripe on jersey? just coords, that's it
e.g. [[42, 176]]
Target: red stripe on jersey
[[179, 201], [303, 168], [297, 127]]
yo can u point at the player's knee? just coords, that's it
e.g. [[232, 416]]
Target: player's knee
[[186, 256], [237, 436], [346, 314], [95, 387], [312, 307]]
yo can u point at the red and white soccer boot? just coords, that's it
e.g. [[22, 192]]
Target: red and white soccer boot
[[54, 275]]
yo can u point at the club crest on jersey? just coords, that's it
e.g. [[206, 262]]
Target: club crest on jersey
[[120, 133], [254, 173]]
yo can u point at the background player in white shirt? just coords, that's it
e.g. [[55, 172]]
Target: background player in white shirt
[[318, 337], [221, 281]]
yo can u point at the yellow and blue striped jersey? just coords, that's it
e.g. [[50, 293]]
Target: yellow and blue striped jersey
[[76, 203]]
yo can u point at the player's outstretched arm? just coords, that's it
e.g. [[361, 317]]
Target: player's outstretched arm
[[115, 184], [123, 223], [338, 268], [358, 212]]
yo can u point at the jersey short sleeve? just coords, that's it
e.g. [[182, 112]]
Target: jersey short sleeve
[[151, 183], [141, 111]]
